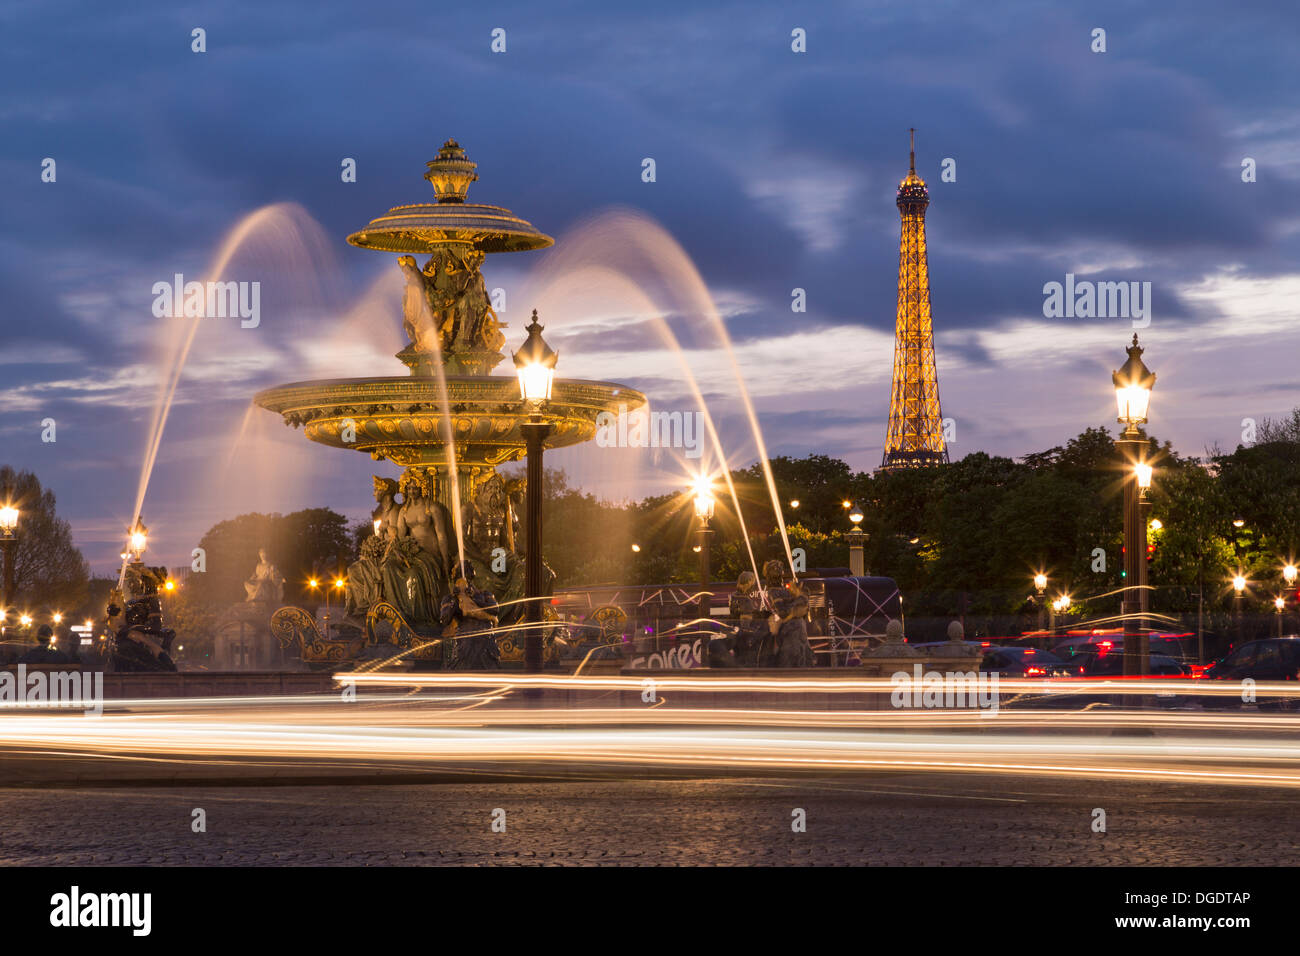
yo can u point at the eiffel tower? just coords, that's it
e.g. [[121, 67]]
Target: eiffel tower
[[915, 436]]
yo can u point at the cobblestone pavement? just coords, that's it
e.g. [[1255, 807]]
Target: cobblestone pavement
[[851, 820]]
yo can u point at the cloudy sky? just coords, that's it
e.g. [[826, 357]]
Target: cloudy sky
[[775, 170]]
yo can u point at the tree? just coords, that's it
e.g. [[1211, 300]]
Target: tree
[[50, 572]]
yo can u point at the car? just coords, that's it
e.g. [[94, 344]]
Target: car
[[1104, 664], [1112, 665], [1011, 662], [1271, 659], [1168, 645]]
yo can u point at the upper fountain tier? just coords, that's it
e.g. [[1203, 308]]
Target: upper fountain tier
[[455, 342], [423, 227]]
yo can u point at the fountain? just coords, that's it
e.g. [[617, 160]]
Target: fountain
[[449, 424]]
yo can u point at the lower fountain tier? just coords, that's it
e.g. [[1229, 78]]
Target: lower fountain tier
[[401, 418]]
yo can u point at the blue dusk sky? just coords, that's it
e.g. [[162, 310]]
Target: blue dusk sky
[[774, 170]]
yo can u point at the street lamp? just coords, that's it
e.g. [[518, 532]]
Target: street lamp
[[1133, 384], [535, 366], [705, 503], [139, 540], [857, 538], [1279, 602], [1040, 585], [1289, 573], [1059, 606], [8, 539], [1238, 586]]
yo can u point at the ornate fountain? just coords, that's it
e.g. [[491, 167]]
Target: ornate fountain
[[450, 396]]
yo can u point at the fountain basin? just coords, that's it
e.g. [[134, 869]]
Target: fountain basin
[[400, 418]]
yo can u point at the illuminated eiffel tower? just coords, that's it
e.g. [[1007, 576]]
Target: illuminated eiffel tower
[[915, 436]]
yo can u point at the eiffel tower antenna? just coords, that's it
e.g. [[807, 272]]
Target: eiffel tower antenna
[[915, 435]]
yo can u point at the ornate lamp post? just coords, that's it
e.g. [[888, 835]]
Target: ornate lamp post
[[704, 507], [8, 539], [857, 538], [535, 365], [1133, 383], [1143, 472]]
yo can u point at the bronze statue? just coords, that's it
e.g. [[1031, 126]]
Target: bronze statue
[[418, 320], [746, 610], [426, 519], [787, 620], [468, 617], [365, 581], [386, 507]]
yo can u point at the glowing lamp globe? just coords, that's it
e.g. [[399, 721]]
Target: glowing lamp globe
[[535, 365], [1133, 383], [704, 499]]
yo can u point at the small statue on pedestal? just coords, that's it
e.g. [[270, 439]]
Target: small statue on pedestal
[[267, 583]]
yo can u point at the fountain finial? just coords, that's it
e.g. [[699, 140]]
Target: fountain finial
[[451, 173]]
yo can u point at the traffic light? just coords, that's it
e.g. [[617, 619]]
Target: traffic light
[[1151, 553]]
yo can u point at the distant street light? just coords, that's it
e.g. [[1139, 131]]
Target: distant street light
[[1289, 573], [1279, 602], [794, 503], [1040, 584], [1133, 383], [1238, 587], [8, 539], [857, 538], [1059, 606], [705, 503]]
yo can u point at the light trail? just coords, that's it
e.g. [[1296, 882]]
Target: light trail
[[1067, 686], [492, 732]]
